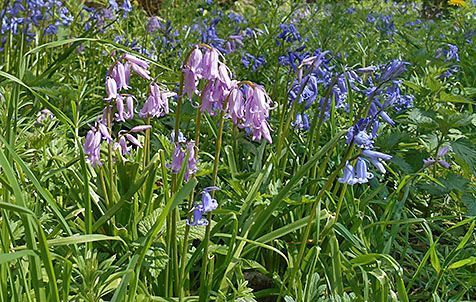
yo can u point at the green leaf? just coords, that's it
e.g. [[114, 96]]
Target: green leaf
[[465, 151], [8, 257], [82, 239], [464, 262]]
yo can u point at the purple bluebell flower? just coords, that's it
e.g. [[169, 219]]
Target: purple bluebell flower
[[104, 132], [257, 106], [361, 173], [133, 140], [249, 60], [376, 155], [209, 64], [195, 59], [190, 82], [181, 150], [153, 24], [289, 33], [449, 54], [111, 89], [92, 147], [301, 121], [177, 159], [198, 219], [157, 104], [392, 70], [180, 138], [439, 158], [349, 175], [119, 75], [42, 115], [208, 203], [140, 128], [237, 18], [233, 42]]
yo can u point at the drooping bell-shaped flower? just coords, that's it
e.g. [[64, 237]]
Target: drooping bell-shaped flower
[[192, 161], [198, 219], [361, 172], [104, 132], [157, 104], [92, 147], [111, 89], [190, 82], [119, 75], [136, 61], [236, 104], [349, 175], [209, 64], [133, 140], [363, 140], [376, 155], [439, 158], [120, 109], [195, 59], [256, 109], [140, 71], [140, 128], [122, 145], [208, 203], [129, 114]]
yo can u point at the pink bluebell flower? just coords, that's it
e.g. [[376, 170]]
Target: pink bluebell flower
[[92, 147], [111, 88]]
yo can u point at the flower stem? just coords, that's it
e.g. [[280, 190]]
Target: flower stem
[[183, 257], [203, 274]]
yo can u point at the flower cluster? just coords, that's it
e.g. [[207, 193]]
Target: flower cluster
[[184, 150], [120, 107], [450, 55], [289, 33], [246, 103], [208, 204], [439, 158], [380, 98], [19, 16], [164, 31], [249, 60], [99, 15], [383, 23]]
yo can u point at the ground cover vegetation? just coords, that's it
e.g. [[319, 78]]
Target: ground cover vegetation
[[237, 150]]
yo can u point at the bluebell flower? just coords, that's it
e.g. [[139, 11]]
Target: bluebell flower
[[392, 70], [198, 219], [301, 121], [153, 24], [439, 158], [371, 18], [237, 18], [449, 54], [207, 205], [349, 175], [289, 33], [361, 172], [249, 60]]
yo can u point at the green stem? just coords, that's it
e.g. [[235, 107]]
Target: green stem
[[183, 257], [312, 215], [203, 275]]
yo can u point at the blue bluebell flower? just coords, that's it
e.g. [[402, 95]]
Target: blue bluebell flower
[[249, 60], [362, 174], [198, 219], [450, 53], [289, 33], [301, 121], [349, 175]]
